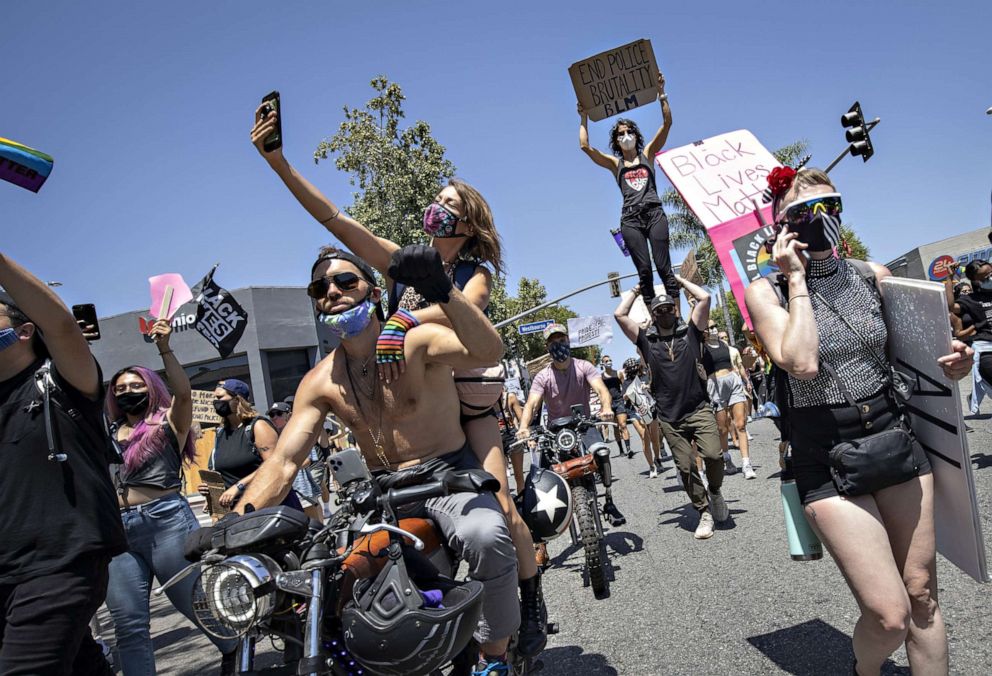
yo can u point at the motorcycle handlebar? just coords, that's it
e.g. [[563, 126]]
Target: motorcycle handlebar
[[453, 481], [398, 497]]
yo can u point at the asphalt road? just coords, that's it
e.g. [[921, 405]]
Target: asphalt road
[[734, 604]]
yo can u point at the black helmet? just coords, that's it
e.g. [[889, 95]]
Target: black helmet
[[546, 504], [392, 628]]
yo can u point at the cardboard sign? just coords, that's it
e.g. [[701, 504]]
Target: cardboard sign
[[585, 331], [916, 316], [719, 177], [203, 407], [616, 80], [215, 483], [169, 293], [689, 270]]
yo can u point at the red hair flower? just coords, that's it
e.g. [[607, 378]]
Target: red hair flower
[[780, 180]]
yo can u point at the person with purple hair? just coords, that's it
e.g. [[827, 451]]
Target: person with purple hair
[[152, 429]]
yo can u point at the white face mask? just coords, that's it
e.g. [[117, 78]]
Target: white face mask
[[627, 141]]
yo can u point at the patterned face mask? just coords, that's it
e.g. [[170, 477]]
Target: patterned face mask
[[560, 352], [349, 323], [440, 222], [8, 337]]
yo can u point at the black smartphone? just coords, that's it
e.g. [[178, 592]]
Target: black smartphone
[[86, 316], [270, 103]]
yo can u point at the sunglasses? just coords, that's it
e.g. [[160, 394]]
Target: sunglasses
[[345, 281], [663, 310], [803, 212]]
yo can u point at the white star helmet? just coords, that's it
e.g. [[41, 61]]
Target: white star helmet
[[546, 504]]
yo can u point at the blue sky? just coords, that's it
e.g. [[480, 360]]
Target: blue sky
[[147, 107]]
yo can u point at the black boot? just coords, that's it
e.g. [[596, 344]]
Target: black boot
[[533, 634], [613, 515]]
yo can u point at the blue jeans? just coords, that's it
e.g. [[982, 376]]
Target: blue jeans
[[155, 535]]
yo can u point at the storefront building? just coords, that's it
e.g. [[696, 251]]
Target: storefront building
[[939, 260]]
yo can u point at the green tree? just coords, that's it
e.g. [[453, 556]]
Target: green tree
[[397, 171], [851, 245]]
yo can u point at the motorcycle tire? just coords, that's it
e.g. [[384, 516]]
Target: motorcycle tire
[[585, 519]]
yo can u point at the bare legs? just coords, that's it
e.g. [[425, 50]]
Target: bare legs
[[884, 545]]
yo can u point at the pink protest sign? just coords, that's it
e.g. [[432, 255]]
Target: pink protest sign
[[169, 293], [720, 176], [740, 244]]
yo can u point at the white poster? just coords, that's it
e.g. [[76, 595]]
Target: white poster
[[585, 331], [719, 176]]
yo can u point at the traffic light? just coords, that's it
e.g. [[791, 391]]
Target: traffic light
[[614, 278], [857, 132]]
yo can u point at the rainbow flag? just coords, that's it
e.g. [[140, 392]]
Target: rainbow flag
[[24, 166]]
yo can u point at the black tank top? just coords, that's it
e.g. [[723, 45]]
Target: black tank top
[[613, 384], [637, 184], [162, 470], [716, 358], [235, 455]]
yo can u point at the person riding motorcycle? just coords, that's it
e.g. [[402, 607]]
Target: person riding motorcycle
[[564, 383], [388, 419]]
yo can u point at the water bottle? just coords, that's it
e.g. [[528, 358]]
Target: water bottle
[[803, 543], [618, 238]]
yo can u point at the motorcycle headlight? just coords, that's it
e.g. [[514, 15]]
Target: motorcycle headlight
[[567, 440], [233, 596]]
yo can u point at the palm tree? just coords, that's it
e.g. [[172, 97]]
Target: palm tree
[[686, 232]]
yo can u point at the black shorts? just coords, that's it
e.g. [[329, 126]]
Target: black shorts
[[619, 408], [814, 431]]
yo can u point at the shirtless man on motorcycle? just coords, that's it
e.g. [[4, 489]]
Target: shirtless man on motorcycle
[[408, 425]]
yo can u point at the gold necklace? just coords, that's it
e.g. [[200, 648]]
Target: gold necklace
[[380, 451]]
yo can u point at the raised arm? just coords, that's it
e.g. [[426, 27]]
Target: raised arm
[[180, 414], [661, 136], [272, 481], [701, 308], [63, 337], [621, 314], [362, 242], [789, 336], [602, 159]]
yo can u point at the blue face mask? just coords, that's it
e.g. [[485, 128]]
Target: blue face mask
[[8, 337], [349, 323], [560, 352]]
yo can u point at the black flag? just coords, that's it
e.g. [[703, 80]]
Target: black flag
[[219, 318]]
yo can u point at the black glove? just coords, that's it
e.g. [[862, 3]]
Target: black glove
[[420, 266]]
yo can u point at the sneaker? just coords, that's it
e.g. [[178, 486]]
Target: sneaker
[[729, 467], [665, 456], [653, 474], [718, 506], [630, 453], [750, 437], [748, 471], [704, 530], [491, 667]]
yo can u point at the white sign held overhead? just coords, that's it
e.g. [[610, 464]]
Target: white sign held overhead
[[719, 176], [916, 316], [585, 331]]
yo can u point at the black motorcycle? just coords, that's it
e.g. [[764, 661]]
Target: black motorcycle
[[369, 593], [561, 447]]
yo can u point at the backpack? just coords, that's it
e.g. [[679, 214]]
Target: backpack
[[53, 395], [777, 380]]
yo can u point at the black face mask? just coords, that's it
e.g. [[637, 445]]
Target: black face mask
[[665, 321], [134, 403], [223, 407], [822, 233]]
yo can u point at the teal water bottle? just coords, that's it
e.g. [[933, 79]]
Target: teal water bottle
[[803, 543]]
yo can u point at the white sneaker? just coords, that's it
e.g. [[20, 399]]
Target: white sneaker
[[748, 471], [653, 474], [718, 506], [704, 530], [750, 437]]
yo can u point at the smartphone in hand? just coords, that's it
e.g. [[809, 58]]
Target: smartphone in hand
[[270, 103], [86, 318]]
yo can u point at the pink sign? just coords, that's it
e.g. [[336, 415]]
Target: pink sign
[[169, 287], [740, 244]]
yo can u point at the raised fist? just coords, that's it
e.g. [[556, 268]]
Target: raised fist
[[421, 267]]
